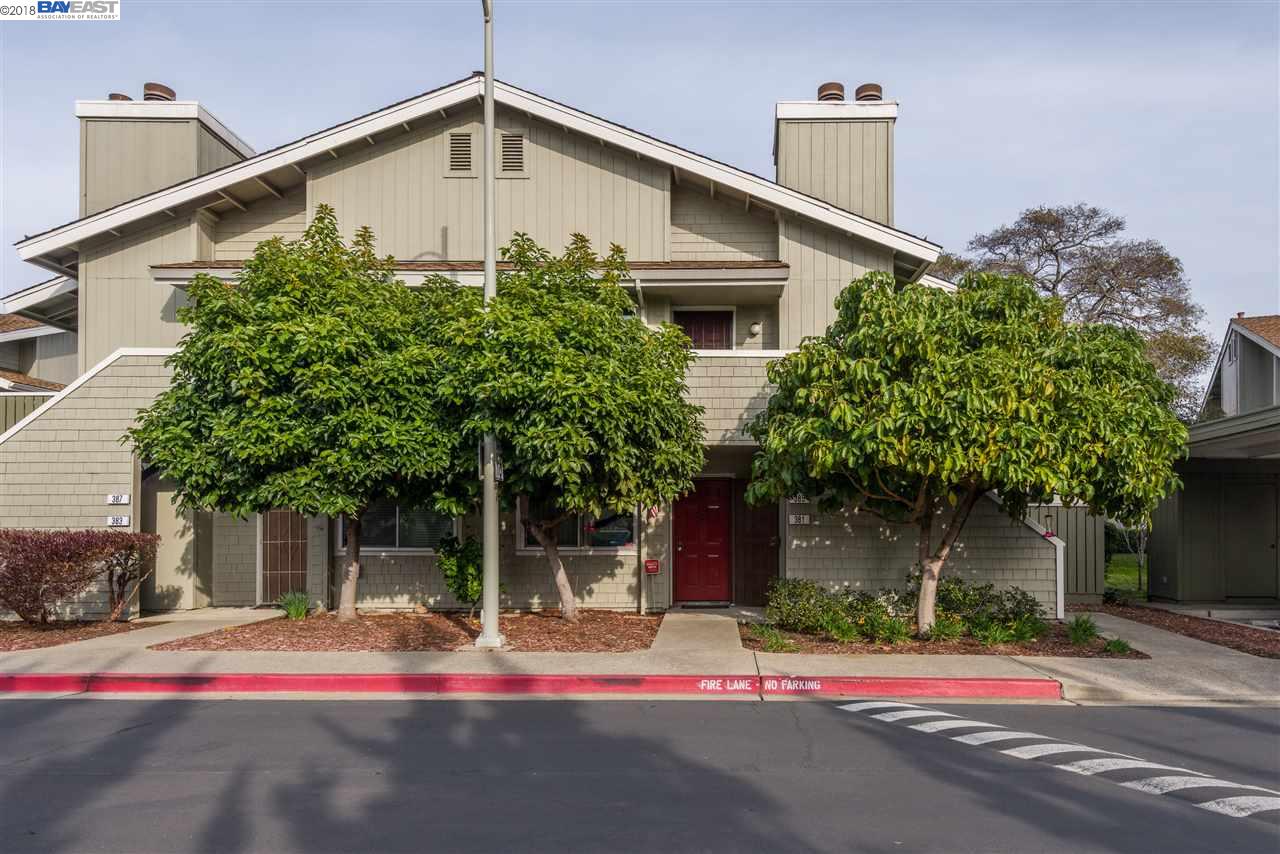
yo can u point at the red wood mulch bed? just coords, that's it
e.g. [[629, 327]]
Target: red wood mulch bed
[[15, 636], [1055, 642], [537, 631], [1260, 642]]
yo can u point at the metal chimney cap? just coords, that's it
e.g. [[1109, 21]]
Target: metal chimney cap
[[118, 96], [831, 91], [157, 92], [868, 92]]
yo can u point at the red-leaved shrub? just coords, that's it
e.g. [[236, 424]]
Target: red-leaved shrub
[[39, 569]]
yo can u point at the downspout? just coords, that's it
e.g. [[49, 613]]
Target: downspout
[[640, 591]]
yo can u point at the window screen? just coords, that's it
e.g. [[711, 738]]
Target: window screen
[[423, 528], [708, 330]]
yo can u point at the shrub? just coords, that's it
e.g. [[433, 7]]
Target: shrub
[[801, 605], [39, 569], [989, 632], [1116, 596], [1027, 627], [771, 638], [130, 559], [1016, 604], [462, 567], [1118, 646], [945, 628], [837, 624], [1082, 629], [295, 605], [892, 630], [964, 600]]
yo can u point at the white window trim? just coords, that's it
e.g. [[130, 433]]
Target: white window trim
[[340, 549], [733, 322], [524, 549]]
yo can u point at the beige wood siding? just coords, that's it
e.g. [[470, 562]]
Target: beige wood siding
[[732, 390], [707, 229], [121, 160], [860, 552], [846, 163], [120, 304], [55, 358], [238, 233], [211, 152], [823, 262], [399, 188]]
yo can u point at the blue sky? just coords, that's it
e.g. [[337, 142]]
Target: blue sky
[[1168, 114]]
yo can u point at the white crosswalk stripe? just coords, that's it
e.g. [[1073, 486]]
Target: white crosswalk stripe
[[862, 707], [1035, 751], [1180, 783], [1242, 806], [939, 726], [911, 713], [995, 735]]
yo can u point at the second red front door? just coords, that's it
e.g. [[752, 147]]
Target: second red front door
[[703, 538]]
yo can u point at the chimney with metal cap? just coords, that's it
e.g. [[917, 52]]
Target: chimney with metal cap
[[839, 148], [833, 91], [868, 92], [157, 92]]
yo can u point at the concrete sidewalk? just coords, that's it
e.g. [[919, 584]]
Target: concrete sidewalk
[[705, 651], [1181, 671]]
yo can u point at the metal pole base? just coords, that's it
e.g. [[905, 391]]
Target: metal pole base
[[495, 642]]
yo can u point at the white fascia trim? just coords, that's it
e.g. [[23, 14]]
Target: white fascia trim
[[836, 110], [25, 334], [246, 170], [36, 294], [713, 276], [936, 282], [766, 191], [163, 110], [123, 352]]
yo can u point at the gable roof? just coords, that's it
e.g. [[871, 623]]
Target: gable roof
[[14, 323], [1265, 326], [46, 248]]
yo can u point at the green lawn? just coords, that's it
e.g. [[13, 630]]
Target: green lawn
[[1122, 573]]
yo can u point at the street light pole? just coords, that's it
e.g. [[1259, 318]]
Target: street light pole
[[489, 638]]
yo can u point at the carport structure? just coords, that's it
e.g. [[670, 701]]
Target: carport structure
[[1216, 539]]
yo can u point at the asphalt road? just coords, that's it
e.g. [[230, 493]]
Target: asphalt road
[[229, 776]]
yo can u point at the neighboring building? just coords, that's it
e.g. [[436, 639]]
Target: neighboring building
[[747, 266], [1217, 538]]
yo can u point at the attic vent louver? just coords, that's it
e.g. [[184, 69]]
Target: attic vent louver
[[459, 152], [512, 152]]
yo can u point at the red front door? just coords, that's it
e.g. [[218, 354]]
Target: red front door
[[703, 529]]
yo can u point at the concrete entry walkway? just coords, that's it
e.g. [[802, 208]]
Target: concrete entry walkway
[[688, 631]]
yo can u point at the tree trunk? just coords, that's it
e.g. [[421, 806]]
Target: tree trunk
[[931, 566], [351, 575], [568, 605]]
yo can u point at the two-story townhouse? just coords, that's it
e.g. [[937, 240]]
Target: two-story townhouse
[[1217, 537], [746, 265]]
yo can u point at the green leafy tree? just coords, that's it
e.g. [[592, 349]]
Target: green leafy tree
[[312, 382], [917, 402], [588, 403], [1079, 254]]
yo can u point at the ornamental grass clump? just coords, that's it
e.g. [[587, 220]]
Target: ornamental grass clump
[[295, 605]]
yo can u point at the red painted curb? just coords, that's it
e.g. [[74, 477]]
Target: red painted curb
[[521, 684], [911, 686]]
